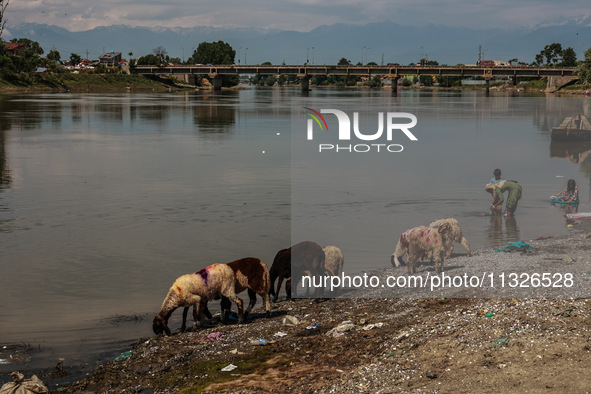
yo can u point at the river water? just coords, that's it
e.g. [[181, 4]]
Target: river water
[[106, 198]]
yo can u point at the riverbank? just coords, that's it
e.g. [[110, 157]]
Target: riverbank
[[70, 82], [389, 345]]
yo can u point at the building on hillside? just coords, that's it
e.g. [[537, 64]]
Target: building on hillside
[[111, 59], [14, 48]]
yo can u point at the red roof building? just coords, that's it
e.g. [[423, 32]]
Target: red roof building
[[14, 48]]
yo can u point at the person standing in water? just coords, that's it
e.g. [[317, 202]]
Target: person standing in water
[[497, 176], [513, 197]]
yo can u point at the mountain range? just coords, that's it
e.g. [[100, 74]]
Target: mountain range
[[384, 42]]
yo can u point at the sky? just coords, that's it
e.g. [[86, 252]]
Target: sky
[[298, 15]]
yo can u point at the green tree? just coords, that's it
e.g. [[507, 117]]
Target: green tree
[[584, 68], [213, 53], [148, 60], [375, 82], [343, 80], [552, 53], [30, 45], [216, 53], [54, 56], [282, 80], [29, 58], [270, 80], [569, 58], [75, 59]]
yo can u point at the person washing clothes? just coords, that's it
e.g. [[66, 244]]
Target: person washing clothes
[[497, 189], [570, 195]]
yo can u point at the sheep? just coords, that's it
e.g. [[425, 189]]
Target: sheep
[[428, 240], [333, 263], [281, 269], [333, 260], [309, 261], [455, 235], [252, 275], [401, 248], [196, 289]]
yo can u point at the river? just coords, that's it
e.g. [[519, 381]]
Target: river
[[106, 198]]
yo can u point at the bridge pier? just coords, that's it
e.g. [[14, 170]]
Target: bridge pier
[[305, 82], [394, 80], [216, 81], [190, 79]]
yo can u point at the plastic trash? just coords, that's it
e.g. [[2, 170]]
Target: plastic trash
[[259, 342], [290, 321], [216, 336], [279, 334], [229, 368], [372, 326], [312, 327], [123, 355], [343, 327]]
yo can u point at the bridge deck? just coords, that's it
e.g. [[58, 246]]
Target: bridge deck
[[393, 71]]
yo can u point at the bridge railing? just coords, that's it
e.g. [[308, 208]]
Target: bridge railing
[[327, 70]]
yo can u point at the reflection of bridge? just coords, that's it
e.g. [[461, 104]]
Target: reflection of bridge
[[554, 74]]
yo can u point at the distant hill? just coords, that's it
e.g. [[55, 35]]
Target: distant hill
[[386, 41]]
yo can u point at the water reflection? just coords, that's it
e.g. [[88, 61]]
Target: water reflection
[[214, 116], [5, 177], [577, 152], [500, 234], [108, 112]]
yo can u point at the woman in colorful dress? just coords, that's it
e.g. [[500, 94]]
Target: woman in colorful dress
[[570, 195]]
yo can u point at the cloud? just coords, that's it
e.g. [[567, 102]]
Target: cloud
[[299, 15]]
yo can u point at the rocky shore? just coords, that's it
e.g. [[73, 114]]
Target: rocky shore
[[378, 344]]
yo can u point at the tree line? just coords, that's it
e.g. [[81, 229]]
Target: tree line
[[30, 57]]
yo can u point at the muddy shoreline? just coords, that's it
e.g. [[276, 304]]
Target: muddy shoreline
[[434, 344]]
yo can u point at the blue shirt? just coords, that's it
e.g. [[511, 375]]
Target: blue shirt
[[494, 180]]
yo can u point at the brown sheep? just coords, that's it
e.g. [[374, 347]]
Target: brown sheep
[[281, 269], [309, 261], [252, 275], [455, 235], [196, 289], [428, 241]]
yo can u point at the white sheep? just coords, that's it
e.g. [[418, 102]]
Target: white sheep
[[454, 235], [428, 241], [401, 248], [333, 260], [196, 289]]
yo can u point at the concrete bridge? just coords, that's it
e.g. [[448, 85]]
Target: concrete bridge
[[393, 72]]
